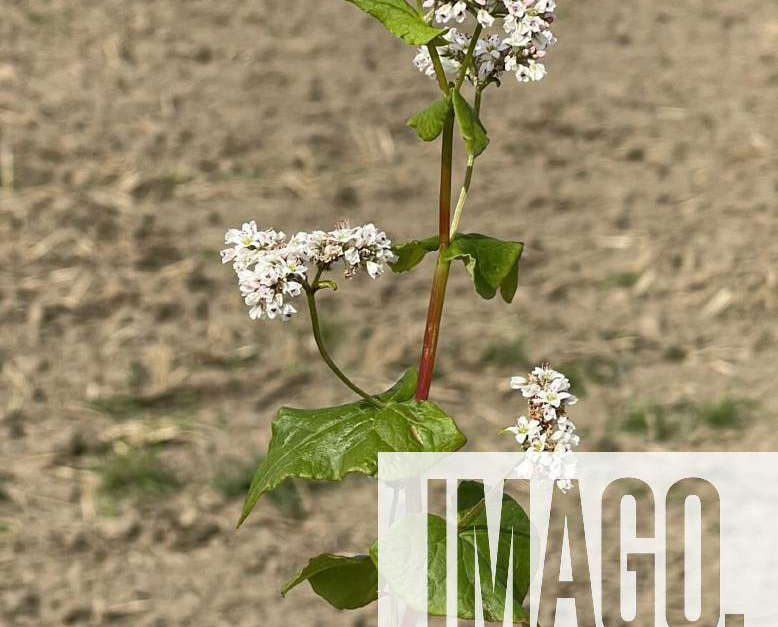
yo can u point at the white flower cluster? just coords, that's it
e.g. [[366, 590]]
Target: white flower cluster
[[546, 434], [547, 428], [526, 26], [272, 269], [362, 247]]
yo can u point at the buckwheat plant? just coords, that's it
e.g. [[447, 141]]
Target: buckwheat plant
[[466, 47]]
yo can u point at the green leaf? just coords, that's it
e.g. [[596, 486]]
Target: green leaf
[[410, 253], [492, 263], [472, 538], [401, 20], [344, 582], [429, 123], [470, 127], [329, 443]]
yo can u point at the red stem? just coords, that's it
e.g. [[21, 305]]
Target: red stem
[[438, 292]]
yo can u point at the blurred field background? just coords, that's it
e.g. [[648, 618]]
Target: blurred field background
[[136, 395]]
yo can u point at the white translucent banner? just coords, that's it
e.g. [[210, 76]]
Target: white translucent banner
[[612, 539]]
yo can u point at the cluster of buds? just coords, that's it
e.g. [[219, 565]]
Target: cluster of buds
[[273, 269], [525, 37]]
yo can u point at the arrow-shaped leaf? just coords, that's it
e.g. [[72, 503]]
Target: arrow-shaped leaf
[[401, 20], [350, 580], [470, 127], [344, 582], [410, 253], [492, 263], [429, 122], [329, 443]]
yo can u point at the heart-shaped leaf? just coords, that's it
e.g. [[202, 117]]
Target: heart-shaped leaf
[[401, 20], [470, 127], [410, 253], [344, 582], [472, 539], [492, 263], [329, 443], [349, 582], [429, 122]]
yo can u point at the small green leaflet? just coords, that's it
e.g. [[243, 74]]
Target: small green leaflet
[[492, 263], [401, 20], [429, 122], [470, 127], [410, 253], [344, 582], [329, 443]]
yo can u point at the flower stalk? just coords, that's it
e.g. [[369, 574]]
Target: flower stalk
[[468, 176], [310, 295]]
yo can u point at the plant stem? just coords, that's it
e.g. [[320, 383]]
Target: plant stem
[[310, 294], [432, 330], [444, 203], [445, 231], [440, 280], [468, 176]]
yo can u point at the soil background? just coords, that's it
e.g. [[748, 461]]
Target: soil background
[[136, 395]]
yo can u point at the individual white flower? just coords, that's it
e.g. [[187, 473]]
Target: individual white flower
[[485, 18], [444, 12], [538, 443], [293, 288], [545, 6], [228, 254], [518, 382], [532, 71], [373, 269], [459, 11], [530, 390], [287, 311], [560, 383], [552, 397], [543, 40], [524, 429], [450, 65], [423, 62], [545, 374], [352, 257]]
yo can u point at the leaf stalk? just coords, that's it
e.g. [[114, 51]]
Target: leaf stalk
[[468, 174]]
